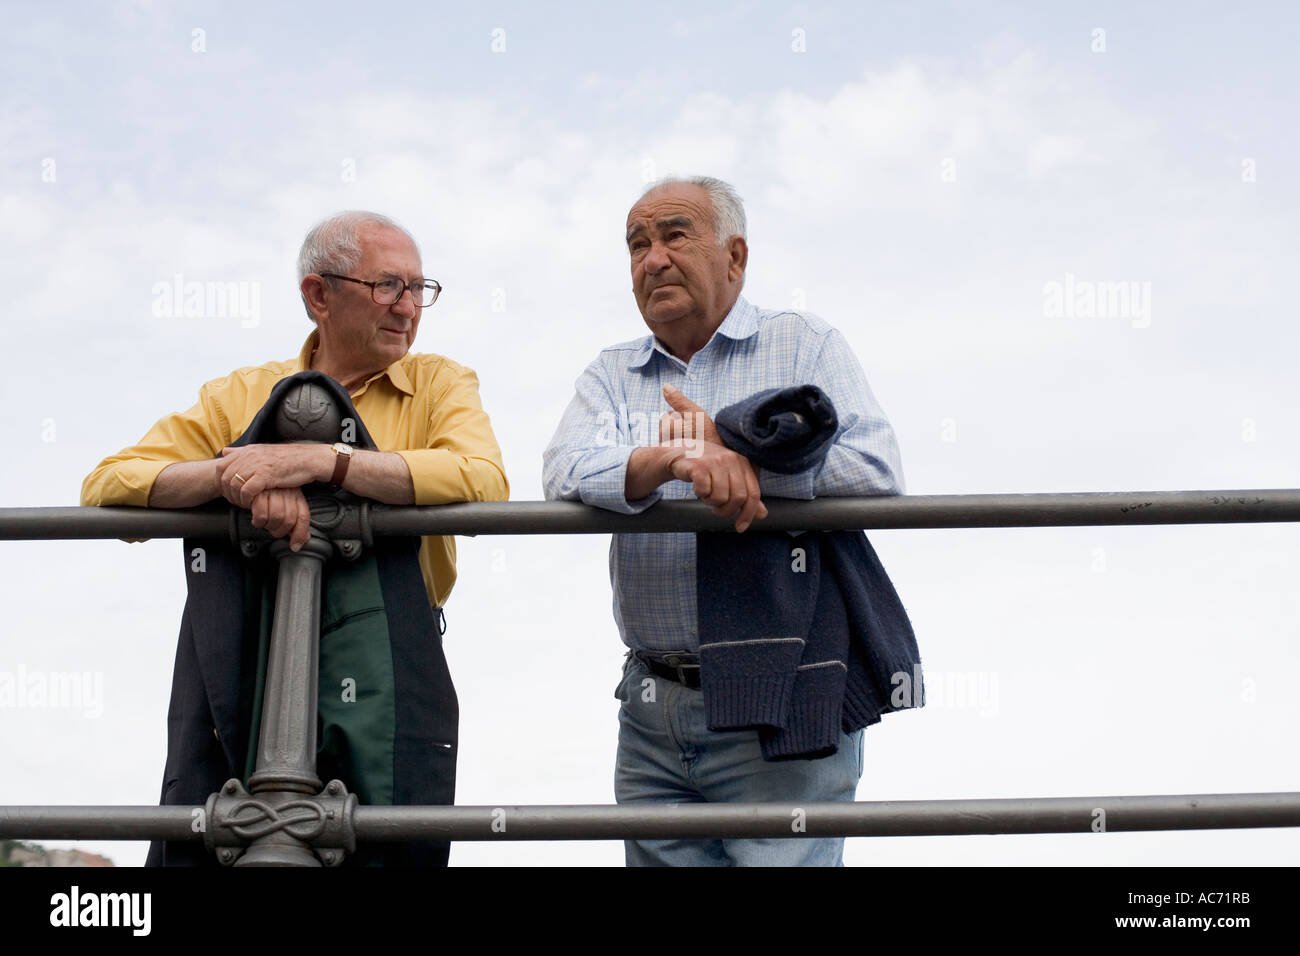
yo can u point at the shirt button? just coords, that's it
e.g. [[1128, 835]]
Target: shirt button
[[216, 736], [694, 630]]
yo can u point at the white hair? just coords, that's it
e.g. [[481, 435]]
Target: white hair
[[728, 210], [333, 245]]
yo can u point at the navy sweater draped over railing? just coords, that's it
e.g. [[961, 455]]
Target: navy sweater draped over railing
[[802, 636]]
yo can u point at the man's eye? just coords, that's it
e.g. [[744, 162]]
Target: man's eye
[[390, 285]]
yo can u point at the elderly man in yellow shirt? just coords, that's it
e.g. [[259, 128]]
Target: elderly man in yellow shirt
[[364, 287]]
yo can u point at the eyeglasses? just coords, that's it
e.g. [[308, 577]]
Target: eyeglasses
[[388, 291]]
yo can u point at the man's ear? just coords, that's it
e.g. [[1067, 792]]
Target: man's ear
[[313, 295], [738, 258]]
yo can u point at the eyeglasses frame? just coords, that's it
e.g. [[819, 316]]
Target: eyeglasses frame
[[419, 302]]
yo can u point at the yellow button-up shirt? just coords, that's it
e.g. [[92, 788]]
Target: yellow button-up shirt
[[425, 408]]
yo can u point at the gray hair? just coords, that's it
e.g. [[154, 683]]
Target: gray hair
[[728, 210], [333, 245]]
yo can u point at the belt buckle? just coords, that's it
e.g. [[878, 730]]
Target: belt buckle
[[675, 663]]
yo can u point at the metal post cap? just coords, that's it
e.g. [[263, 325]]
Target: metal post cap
[[308, 412]]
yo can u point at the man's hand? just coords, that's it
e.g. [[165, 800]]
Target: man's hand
[[724, 480], [283, 512], [247, 471], [686, 421]]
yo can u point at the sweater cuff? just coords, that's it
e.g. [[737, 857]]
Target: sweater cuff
[[867, 698], [813, 728], [749, 683]]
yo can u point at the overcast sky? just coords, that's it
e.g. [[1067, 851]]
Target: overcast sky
[[951, 185]]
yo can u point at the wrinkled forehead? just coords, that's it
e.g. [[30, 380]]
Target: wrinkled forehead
[[677, 201], [388, 250]]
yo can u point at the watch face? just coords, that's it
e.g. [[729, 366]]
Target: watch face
[[342, 448]]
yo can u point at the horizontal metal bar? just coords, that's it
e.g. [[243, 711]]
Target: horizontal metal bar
[[903, 818], [1214, 811], [824, 514], [48, 524], [829, 514], [99, 823]]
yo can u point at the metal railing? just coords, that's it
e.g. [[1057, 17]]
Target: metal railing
[[228, 836], [1071, 509]]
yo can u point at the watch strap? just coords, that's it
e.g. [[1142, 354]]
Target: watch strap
[[342, 459]]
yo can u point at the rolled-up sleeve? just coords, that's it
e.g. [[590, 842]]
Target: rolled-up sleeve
[[127, 478], [864, 458], [462, 460], [587, 458]]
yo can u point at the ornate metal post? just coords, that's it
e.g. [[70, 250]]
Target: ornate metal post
[[284, 812], [286, 749]]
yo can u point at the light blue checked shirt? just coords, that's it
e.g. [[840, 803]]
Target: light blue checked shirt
[[617, 407]]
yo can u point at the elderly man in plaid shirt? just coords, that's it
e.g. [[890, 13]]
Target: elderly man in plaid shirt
[[709, 348]]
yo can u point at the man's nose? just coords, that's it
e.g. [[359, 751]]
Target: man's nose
[[406, 303], [656, 259]]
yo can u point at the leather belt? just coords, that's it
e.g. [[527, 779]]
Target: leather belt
[[682, 668]]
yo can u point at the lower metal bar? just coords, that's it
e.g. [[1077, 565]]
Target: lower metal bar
[[1214, 811], [102, 823]]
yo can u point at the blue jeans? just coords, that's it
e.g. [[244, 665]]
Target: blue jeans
[[667, 754]]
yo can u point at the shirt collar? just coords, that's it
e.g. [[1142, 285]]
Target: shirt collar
[[741, 322], [396, 372]]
